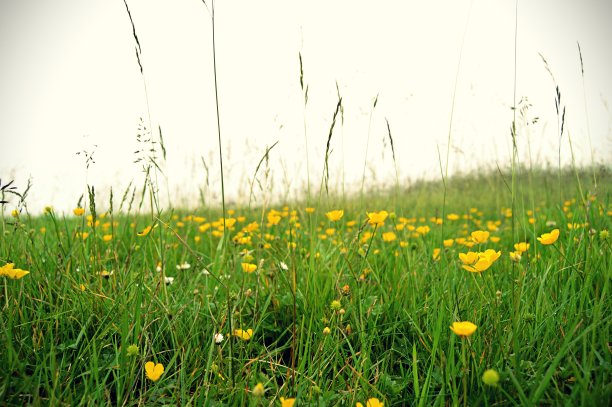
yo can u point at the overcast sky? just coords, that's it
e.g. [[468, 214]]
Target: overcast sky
[[70, 82]]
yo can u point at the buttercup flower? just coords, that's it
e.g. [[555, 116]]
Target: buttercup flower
[[480, 236], [549, 238], [78, 211], [259, 390], [9, 271], [154, 371], [389, 236], [478, 262], [335, 215], [145, 231], [490, 254], [377, 218], [515, 256], [244, 335], [287, 402], [468, 258], [464, 328], [372, 402], [436, 254], [521, 247], [248, 267]]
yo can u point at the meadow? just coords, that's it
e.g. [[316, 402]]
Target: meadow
[[490, 288]]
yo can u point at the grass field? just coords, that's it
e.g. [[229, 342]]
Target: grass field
[[328, 302]]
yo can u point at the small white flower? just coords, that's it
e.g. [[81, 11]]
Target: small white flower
[[218, 338], [169, 280], [184, 266], [205, 272], [284, 266], [158, 268]]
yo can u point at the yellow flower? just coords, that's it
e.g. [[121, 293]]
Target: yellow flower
[[274, 217], [107, 238], [9, 271], [326, 331], [15, 213], [515, 256], [464, 328], [478, 262], [452, 216], [227, 222], [389, 236], [249, 267], [154, 371], [145, 231], [490, 377], [335, 215], [521, 247], [468, 258], [480, 236], [549, 238], [372, 402], [423, 229], [436, 254], [377, 218], [448, 242], [309, 210], [244, 335], [259, 390], [287, 402], [106, 274], [78, 211], [491, 254], [481, 265]]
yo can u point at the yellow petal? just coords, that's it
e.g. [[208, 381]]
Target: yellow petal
[[154, 371], [287, 402], [374, 402], [463, 328]]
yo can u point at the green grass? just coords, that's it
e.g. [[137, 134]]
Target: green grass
[[543, 323]]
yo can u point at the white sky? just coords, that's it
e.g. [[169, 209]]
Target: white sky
[[69, 80]]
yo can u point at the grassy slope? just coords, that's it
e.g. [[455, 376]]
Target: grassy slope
[[543, 323]]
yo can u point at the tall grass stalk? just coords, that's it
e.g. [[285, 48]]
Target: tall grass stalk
[[304, 88], [586, 114], [224, 240], [367, 147]]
